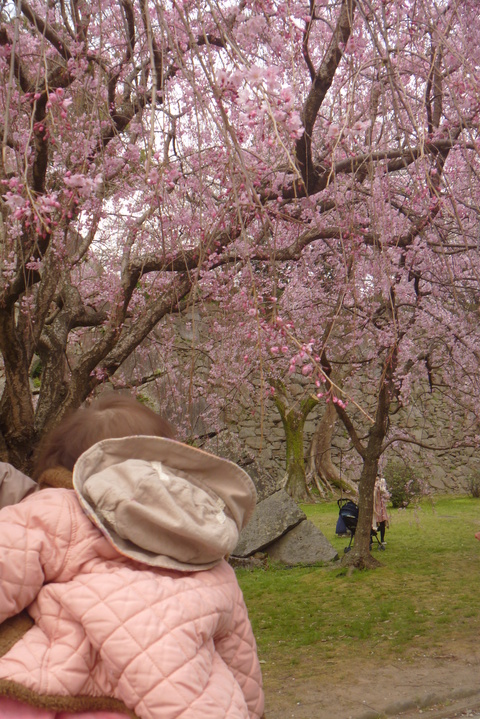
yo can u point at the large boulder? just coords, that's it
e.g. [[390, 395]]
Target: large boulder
[[264, 482], [272, 518], [304, 544]]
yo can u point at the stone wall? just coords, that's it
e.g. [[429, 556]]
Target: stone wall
[[251, 429], [446, 470]]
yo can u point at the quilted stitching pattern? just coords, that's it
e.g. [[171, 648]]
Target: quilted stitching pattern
[[170, 645]]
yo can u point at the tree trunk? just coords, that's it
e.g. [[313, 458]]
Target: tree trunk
[[360, 556], [321, 469], [293, 420], [296, 484], [16, 409]]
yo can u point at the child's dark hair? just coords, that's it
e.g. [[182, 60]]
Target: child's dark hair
[[109, 416]]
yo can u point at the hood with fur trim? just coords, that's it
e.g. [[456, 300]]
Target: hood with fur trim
[[162, 502]]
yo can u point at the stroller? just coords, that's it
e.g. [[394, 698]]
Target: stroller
[[348, 513]]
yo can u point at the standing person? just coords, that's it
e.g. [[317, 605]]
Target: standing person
[[120, 562], [380, 499]]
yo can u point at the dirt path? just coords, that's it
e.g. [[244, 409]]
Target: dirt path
[[425, 684]]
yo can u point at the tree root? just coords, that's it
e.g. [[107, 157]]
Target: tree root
[[358, 561]]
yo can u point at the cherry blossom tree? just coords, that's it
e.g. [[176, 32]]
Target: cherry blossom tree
[[310, 168]]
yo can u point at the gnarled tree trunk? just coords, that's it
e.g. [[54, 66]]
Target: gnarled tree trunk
[[360, 556], [293, 419], [320, 468]]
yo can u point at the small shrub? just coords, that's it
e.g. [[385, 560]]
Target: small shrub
[[402, 484], [473, 485]]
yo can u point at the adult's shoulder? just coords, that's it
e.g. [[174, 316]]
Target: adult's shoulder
[[14, 485]]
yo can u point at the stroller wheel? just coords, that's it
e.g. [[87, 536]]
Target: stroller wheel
[[381, 548]]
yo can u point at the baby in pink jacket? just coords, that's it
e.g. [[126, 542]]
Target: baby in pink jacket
[[119, 561]]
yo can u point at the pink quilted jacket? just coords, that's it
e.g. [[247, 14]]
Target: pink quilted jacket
[[170, 644]]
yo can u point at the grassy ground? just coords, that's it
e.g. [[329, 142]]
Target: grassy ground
[[425, 597]]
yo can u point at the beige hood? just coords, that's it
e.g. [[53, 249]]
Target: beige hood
[[164, 503]]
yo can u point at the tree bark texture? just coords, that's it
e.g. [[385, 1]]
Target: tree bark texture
[[320, 468]]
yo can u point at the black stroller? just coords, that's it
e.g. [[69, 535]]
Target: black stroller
[[348, 512]]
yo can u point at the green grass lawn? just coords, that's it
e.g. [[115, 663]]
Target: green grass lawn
[[424, 599]]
